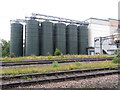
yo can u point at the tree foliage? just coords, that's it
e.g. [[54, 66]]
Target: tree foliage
[[5, 45]]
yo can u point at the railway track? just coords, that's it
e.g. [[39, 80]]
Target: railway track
[[27, 79], [49, 61]]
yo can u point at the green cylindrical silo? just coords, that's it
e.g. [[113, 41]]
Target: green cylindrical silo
[[82, 39], [47, 38], [32, 38], [40, 40], [16, 40], [60, 37], [72, 39], [0, 49]]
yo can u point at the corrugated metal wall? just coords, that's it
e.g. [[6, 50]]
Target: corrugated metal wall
[[32, 37], [16, 40], [83, 39], [72, 39], [60, 37], [47, 38]]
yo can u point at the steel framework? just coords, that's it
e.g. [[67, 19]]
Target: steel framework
[[49, 18], [111, 37]]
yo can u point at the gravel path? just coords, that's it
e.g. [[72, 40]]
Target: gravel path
[[110, 81]]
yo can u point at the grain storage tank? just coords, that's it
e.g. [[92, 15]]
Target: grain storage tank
[[40, 39], [60, 37], [32, 38], [72, 39], [24, 43], [0, 49], [16, 40], [47, 38], [83, 39]]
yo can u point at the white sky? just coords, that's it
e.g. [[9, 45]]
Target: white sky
[[71, 9]]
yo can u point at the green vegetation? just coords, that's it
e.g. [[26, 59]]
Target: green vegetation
[[48, 54], [26, 77], [55, 64], [116, 52], [78, 64], [116, 60], [54, 67], [45, 71], [12, 55], [57, 52], [52, 57], [5, 45]]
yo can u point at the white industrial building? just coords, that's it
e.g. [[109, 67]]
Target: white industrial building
[[98, 29]]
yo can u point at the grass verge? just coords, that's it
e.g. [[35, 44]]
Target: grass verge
[[52, 57], [49, 68]]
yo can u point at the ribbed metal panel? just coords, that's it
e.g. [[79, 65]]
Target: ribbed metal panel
[[0, 49], [16, 40], [60, 37], [72, 39], [47, 38], [40, 40], [83, 39], [24, 48], [32, 38]]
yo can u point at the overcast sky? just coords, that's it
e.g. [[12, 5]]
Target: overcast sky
[[71, 9]]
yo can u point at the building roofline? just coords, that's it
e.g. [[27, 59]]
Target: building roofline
[[101, 19], [112, 19]]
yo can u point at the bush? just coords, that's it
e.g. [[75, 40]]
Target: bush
[[78, 64], [55, 64], [62, 56], [71, 68], [45, 71], [116, 60], [48, 54], [57, 52], [34, 71], [49, 57], [115, 52], [11, 55]]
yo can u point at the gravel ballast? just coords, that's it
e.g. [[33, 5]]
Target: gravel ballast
[[109, 81]]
